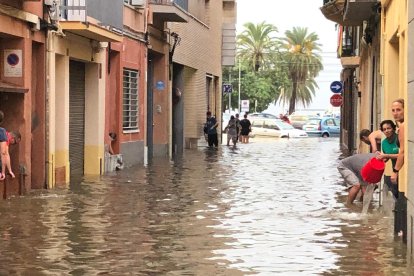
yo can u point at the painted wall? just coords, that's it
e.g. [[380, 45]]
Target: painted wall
[[409, 125], [24, 112], [394, 61], [61, 50], [130, 54]]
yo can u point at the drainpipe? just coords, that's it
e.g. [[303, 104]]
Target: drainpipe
[[48, 183]]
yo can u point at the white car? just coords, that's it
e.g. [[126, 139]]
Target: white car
[[275, 128]]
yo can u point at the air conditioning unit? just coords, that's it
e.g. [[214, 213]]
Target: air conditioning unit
[[138, 3]]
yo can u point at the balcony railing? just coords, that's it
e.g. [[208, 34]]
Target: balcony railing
[[71, 10], [100, 20], [109, 13], [181, 3]]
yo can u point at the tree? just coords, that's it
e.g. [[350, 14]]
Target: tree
[[255, 43], [260, 88], [303, 64]]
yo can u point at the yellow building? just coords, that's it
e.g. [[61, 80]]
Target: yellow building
[[375, 51], [394, 62], [75, 73], [409, 127]]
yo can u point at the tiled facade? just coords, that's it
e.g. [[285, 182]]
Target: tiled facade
[[201, 56]]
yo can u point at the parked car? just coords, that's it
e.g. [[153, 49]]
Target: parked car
[[324, 127], [298, 120], [252, 116], [275, 128]]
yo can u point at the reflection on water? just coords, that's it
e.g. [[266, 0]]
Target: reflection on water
[[269, 207]]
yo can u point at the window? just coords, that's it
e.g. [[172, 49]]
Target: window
[[257, 123], [330, 122], [130, 101]]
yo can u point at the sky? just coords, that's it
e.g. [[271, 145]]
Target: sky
[[286, 14]]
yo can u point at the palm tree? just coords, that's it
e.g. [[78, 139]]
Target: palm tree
[[303, 64], [255, 43]]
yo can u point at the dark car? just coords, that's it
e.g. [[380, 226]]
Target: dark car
[[323, 127]]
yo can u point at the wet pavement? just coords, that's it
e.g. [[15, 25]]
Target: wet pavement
[[272, 207]]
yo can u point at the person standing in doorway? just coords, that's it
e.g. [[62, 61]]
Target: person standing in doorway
[[372, 139], [400, 211], [210, 129], [7, 139], [390, 150]]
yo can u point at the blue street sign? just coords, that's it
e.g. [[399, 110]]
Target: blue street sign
[[336, 87], [160, 85], [227, 88]]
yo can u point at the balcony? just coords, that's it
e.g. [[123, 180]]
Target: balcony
[[170, 10], [347, 47], [333, 10], [348, 12], [356, 11], [350, 62], [100, 20]]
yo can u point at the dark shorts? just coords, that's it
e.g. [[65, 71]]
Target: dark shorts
[[244, 132]]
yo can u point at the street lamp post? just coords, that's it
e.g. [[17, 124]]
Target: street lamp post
[[229, 94], [239, 85]]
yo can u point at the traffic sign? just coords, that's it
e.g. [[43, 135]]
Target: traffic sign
[[227, 88], [336, 100], [336, 87], [245, 105]]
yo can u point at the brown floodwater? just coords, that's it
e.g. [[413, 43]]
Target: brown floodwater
[[271, 207]]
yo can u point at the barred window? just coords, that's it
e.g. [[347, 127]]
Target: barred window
[[130, 100]]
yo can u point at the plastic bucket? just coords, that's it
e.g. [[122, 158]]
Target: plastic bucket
[[373, 170]]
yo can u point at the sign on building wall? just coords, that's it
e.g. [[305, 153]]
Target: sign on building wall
[[245, 105], [13, 63]]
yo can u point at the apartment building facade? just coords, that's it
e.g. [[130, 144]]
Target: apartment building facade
[[197, 65], [22, 91], [146, 70], [388, 73]]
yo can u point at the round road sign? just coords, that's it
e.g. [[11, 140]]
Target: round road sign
[[336, 100]]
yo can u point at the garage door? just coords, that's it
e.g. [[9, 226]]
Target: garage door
[[76, 116]]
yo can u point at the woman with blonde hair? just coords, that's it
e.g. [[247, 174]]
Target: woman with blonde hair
[[400, 211]]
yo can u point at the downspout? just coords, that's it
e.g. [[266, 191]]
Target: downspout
[[47, 91], [48, 171]]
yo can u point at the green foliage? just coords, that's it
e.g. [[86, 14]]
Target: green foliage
[[303, 64], [274, 69]]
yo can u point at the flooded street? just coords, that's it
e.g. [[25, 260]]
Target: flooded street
[[272, 207]]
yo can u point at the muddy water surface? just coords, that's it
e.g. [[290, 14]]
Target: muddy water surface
[[272, 207]]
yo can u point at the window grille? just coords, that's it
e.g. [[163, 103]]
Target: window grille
[[130, 101]]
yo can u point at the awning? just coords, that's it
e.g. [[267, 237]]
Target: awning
[[11, 88], [91, 31]]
